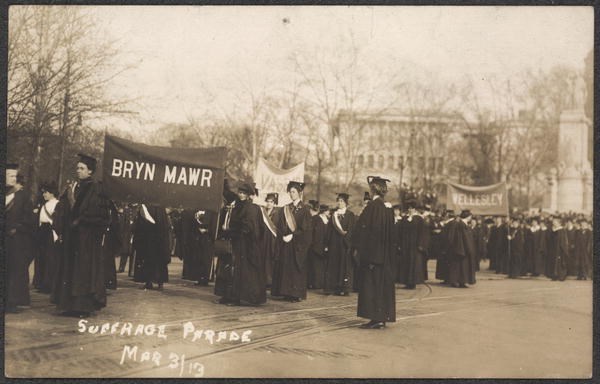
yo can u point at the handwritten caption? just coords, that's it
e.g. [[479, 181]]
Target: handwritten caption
[[172, 360]]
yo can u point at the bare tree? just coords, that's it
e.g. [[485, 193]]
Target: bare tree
[[59, 69]]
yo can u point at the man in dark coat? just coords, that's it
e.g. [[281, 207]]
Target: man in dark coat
[[317, 252], [339, 273], [461, 252], [294, 229], [82, 218], [413, 248], [269, 235], [19, 227], [571, 256], [151, 246], [373, 239]]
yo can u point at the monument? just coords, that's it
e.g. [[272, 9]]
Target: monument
[[574, 174]]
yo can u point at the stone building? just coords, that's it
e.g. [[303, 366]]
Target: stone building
[[406, 148]]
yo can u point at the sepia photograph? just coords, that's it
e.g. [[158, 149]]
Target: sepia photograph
[[208, 191]]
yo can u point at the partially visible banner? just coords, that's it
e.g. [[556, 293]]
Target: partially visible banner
[[488, 200], [270, 179], [169, 177]]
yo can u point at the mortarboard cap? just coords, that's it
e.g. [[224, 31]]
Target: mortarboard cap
[[367, 196], [313, 204], [343, 196], [273, 196], [465, 213], [246, 188], [12, 166], [377, 180], [299, 186], [89, 161], [323, 208]]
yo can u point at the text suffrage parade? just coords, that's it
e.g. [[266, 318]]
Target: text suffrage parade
[[171, 360], [140, 170]]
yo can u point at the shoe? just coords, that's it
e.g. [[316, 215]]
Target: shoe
[[373, 325], [463, 286], [147, 286], [160, 287], [232, 303], [293, 299], [12, 309]]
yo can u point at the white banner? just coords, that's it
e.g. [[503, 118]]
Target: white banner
[[271, 179]]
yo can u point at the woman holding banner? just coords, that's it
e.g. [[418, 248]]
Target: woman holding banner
[[294, 229]]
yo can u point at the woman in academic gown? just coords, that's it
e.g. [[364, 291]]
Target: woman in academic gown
[[583, 250], [536, 247], [47, 254], [558, 250], [248, 280], [194, 245], [317, 253], [294, 231], [373, 239], [269, 235], [413, 244], [152, 246], [112, 243], [461, 252], [82, 218], [516, 236], [339, 273], [19, 226]]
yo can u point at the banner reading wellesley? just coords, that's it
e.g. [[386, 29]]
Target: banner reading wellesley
[[272, 179], [169, 177], [487, 200]]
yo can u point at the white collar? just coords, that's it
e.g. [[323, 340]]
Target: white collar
[[324, 218], [376, 197], [295, 203], [340, 211]]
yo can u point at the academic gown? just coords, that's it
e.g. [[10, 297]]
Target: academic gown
[[558, 253], [536, 249], [572, 253], [82, 218], [151, 245], [339, 273], [517, 251], [18, 216], [441, 265], [317, 257], [373, 237], [583, 250], [460, 253], [249, 285], [290, 275], [47, 251], [194, 246], [269, 242], [111, 244], [413, 252], [501, 250]]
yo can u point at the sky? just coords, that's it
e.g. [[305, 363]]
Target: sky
[[184, 53]]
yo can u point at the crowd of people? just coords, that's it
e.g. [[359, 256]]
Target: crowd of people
[[248, 249]]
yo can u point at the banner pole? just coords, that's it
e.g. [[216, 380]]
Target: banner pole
[[508, 229]]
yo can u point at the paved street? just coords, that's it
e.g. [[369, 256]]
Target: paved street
[[530, 327]]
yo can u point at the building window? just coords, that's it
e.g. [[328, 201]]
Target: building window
[[371, 161], [391, 162], [381, 162], [361, 160]]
